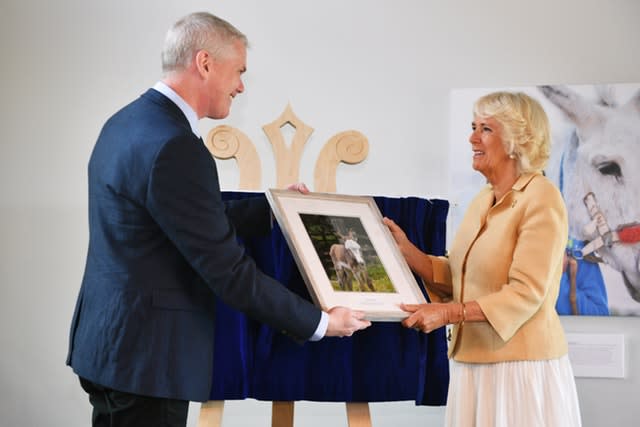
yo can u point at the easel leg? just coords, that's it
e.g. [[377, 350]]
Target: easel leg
[[282, 414], [358, 414], [211, 414]]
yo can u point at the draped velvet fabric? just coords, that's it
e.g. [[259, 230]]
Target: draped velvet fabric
[[385, 362]]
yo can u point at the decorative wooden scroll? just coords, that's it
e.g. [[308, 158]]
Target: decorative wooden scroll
[[226, 142], [287, 158], [351, 147]]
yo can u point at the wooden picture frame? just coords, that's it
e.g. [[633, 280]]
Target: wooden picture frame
[[345, 254]]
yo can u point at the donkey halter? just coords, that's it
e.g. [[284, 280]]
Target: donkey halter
[[605, 236]]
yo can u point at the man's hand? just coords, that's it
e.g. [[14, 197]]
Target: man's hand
[[300, 187], [343, 322]]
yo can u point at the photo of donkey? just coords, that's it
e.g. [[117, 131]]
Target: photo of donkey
[[598, 172], [349, 264], [346, 253]]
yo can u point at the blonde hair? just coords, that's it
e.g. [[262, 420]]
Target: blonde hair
[[525, 127]]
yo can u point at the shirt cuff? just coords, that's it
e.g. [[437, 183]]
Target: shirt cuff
[[322, 327]]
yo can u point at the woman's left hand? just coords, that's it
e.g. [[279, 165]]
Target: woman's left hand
[[428, 317]]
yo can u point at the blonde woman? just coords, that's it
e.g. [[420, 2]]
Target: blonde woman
[[508, 353]]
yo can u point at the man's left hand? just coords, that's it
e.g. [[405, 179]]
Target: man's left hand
[[300, 187]]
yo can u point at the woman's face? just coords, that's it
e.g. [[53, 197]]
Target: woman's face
[[489, 156]]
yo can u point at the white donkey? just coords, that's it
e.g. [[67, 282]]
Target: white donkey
[[600, 173], [349, 263]]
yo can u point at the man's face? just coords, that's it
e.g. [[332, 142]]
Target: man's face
[[224, 80]]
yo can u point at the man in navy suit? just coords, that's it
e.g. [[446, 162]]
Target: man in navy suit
[[163, 244]]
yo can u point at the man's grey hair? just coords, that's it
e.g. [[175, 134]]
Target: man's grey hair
[[195, 32]]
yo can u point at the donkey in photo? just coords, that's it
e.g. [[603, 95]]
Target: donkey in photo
[[349, 263], [600, 179]]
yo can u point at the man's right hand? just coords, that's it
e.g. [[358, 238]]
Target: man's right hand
[[343, 322]]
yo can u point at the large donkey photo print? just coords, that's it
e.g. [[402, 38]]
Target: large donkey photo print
[[597, 168]]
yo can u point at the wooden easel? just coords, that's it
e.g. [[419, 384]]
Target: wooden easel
[[351, 147], [282, 414]]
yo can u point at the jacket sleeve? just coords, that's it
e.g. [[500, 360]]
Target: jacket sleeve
[[250, 217], [184, 198]]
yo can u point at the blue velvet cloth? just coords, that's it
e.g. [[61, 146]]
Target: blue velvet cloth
[[385, 362]]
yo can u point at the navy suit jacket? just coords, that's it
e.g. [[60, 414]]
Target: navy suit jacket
[[163, 245]]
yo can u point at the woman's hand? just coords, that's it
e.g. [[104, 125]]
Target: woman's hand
[[419, 262], [428, 317], [399, 236]]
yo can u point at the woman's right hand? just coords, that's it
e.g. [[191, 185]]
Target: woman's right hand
[[417, 260], [399, 236]]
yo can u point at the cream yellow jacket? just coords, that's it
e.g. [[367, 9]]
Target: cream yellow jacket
[[508, 258]]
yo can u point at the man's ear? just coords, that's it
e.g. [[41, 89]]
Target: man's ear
[[203, 62]]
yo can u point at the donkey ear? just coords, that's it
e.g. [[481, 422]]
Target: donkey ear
[[607, 95], [634, 102], [583, 113]]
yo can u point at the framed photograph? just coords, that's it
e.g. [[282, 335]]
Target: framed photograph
[[345, 253]]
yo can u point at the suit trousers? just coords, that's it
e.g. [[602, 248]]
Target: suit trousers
[[112, 408]]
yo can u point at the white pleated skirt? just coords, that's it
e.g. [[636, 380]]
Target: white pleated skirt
[[538, 393]]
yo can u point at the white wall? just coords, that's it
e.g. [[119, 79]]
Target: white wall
[[381, 67]]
